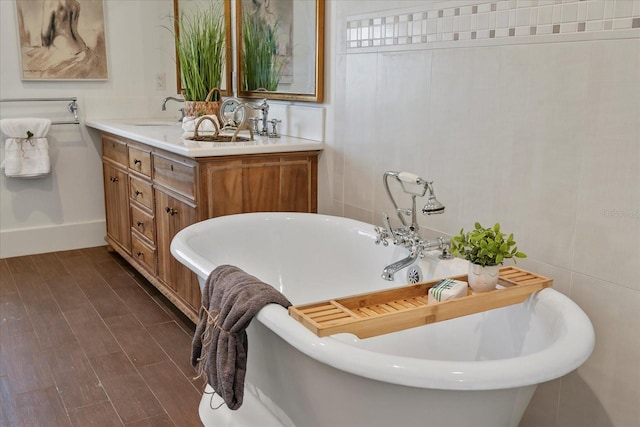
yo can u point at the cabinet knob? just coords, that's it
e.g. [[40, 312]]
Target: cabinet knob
[[114, 179], [139, 223], [138, 254], [137, 193], [137, 162], [171, 211]]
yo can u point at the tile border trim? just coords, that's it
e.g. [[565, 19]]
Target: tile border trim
[[487, 21]]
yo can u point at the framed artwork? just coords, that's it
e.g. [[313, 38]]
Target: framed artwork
[[62, 39]]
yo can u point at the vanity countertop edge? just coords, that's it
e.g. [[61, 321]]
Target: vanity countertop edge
[[170, 138]]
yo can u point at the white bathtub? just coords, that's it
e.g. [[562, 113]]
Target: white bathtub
[[478, 370]]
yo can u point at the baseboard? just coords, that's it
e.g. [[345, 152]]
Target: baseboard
[[63, 237]]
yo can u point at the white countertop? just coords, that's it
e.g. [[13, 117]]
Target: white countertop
[[167, 135]]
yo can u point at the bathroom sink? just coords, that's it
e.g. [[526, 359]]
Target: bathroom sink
[[155, 122]]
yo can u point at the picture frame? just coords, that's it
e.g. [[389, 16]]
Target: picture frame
[[299, 51], [62, 39]]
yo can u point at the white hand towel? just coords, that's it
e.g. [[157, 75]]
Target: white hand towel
[[189, 124], [26, 148]]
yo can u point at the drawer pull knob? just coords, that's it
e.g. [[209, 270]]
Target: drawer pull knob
[[137, 192], [139, 254], [171, 211], [137, 162], [139, 223], [114, 179]]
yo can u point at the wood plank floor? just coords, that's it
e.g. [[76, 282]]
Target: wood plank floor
[[87, 341]]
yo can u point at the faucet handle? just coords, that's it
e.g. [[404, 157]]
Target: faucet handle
[[274, 128], [381, 236], [255, 121]]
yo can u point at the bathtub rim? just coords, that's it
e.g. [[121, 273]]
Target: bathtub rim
[[569, 350]]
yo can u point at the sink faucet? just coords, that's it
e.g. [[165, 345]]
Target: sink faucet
[[172, 98], [408, 235], [264, 107]]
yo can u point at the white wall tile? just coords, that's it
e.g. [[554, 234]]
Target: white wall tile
[[608, 217], [608, 9], [542, 115], [623, 9], [605, 388], [402, 117], [595, 10], [359, 129]]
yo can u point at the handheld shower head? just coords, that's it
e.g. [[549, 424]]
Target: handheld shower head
[[433, 206]]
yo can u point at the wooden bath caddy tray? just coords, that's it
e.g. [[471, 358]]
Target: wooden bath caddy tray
[[377, 313]]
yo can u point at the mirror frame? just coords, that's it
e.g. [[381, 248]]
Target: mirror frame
[[228, 91], [317, 95]]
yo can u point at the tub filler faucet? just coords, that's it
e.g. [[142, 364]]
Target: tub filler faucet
[[407, 235]]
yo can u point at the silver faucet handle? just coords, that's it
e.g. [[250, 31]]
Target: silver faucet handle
[[381, 236], [274, 128], [255, 121]]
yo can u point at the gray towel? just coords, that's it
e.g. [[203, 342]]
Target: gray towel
[[230, 300]]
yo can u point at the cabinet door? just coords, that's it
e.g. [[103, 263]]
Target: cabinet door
[[172, 215], [298, 177], [116, 194], [261, 185]]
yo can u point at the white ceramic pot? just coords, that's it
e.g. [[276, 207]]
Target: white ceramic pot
[[483, 279]]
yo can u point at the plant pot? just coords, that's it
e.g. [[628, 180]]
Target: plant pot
[[203, 108], [483, 279]]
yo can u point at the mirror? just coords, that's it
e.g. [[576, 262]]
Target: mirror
[[190, 9], [280, 49]]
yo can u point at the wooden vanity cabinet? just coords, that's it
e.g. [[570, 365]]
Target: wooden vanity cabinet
[[116, 192], [174, 215], [152, 194]]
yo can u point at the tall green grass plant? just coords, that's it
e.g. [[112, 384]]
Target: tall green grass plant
[[200, 45], [260, 66]]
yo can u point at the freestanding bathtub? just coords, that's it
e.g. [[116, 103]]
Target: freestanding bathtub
[[477, 370]]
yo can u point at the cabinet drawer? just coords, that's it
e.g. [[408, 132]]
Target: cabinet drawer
[[143, 223], [140, 161], [143, 253], [114, 150], [141, 192], [178, 176]]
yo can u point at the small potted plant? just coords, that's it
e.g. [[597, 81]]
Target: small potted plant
[[485, 249]]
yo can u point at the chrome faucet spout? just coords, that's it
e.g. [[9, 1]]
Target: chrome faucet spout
[[390, 270], [172, 98], [264, 108]]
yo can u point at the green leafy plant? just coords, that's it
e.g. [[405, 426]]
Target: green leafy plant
[[200, 46], [260, 66], [485, 246]]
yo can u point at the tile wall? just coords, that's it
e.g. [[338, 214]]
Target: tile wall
[[537, 131], [505, 18]]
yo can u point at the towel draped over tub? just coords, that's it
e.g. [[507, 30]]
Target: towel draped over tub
[[230, 300]]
